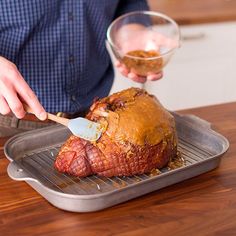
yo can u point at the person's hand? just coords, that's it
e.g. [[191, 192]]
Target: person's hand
[[14, 91], [131, 75]]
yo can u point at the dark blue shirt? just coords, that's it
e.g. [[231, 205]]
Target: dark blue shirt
[[59, 47]]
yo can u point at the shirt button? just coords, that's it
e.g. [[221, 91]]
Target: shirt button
[[71, 59], [70, 16], [73, 98]]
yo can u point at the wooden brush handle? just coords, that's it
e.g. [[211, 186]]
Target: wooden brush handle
[[58, 119], [50, 116]]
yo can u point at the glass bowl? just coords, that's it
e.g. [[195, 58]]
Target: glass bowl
[[144, 41]]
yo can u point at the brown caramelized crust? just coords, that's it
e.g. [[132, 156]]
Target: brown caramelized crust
[[139, 136]]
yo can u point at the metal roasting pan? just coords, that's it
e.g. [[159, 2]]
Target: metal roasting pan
[[32, 155]]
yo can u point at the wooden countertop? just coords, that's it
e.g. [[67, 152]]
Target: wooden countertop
[[196, 11], [204, 205]]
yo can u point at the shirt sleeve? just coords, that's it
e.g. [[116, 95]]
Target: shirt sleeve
[[126, 6]]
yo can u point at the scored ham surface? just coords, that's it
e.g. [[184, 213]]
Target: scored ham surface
[[139, 136]]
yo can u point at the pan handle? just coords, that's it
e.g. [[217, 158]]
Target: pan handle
[[17, 173]]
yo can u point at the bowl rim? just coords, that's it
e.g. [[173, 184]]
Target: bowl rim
[[151, 13]]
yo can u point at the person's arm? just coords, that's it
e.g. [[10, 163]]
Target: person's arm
[[14, 90]]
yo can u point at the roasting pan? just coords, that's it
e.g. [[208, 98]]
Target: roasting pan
[[32, 155]]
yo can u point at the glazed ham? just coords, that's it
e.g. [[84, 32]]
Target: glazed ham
[[139, 136]]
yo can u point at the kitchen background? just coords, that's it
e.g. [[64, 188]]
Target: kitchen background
[[203, 70]]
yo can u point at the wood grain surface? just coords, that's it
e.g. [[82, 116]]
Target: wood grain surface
[[204, 205], [196, 11]]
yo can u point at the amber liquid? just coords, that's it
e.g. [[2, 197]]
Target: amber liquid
[[176, 162]]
